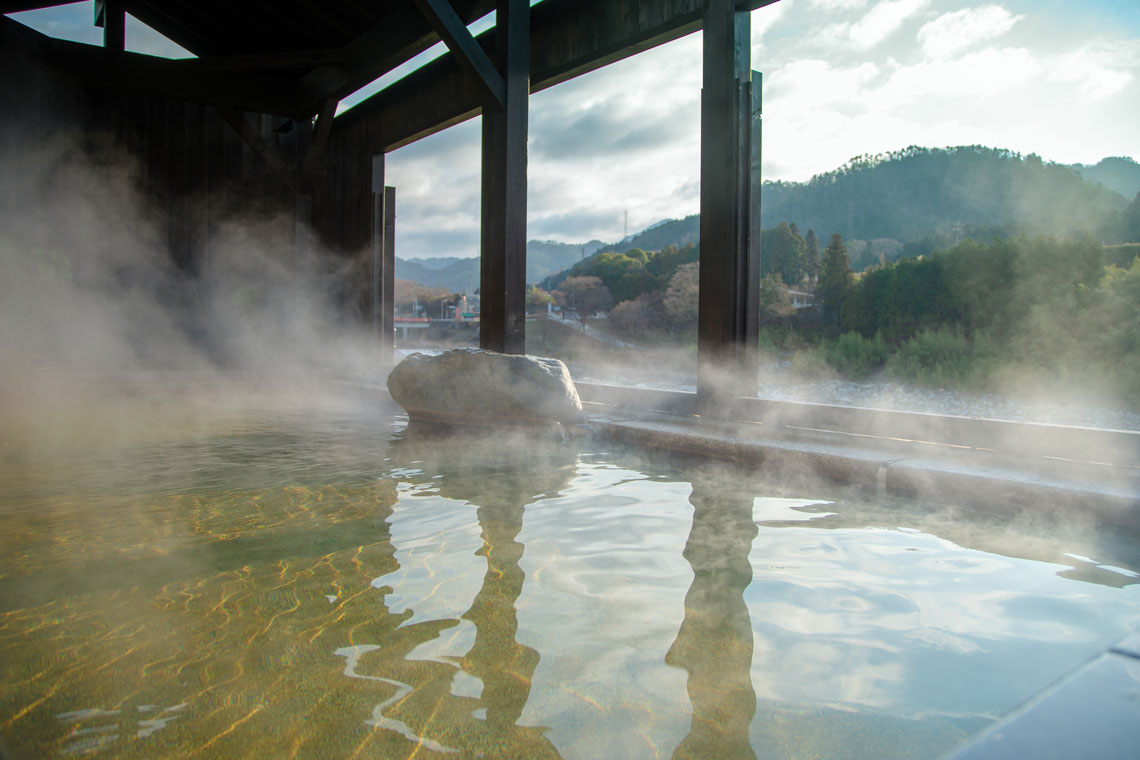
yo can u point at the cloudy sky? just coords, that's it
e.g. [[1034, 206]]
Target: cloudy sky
[[842, 78]]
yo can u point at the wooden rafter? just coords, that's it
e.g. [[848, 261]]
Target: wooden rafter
[[249, 91], [197, 42], [289, 59]]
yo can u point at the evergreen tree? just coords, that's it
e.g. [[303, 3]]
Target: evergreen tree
[[812, 262], [785, 253], [775, 301], [1132, 221], [835, 278], [801, 254]]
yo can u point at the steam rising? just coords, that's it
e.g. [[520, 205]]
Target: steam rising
[[86, 283], [91, 301]]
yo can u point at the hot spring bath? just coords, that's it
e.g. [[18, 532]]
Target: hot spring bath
[[258, 581]]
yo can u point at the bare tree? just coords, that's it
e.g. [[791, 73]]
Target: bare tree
[[586, 296]]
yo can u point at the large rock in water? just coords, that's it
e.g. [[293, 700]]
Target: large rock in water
[[472, 386]]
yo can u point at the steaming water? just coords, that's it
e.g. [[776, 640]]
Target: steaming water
[[325, 583]]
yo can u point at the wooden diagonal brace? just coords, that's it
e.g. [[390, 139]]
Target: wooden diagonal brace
[[254, 141], [320, 140], [466, 50]]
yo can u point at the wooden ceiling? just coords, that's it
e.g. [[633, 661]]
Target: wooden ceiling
[[318, 50], [298, 58]]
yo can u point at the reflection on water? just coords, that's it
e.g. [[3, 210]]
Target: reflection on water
[[471, 699], [714, 644], [358, 590]]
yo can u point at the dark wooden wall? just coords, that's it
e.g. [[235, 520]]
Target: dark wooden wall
[[342, 199], [194, 171]]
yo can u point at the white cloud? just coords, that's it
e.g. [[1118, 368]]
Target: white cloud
[[882, 21], [627, 137], [802, 85], [837, 5], [953, 32], [765, 18], [975, 75], [1099, 69]]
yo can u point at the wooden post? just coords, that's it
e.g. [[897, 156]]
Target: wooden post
[[388, 279], [377, 237], [112, 16], [752, 306], [383, 261], [725, 339], [502, 277]]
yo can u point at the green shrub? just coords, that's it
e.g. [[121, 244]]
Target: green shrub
[[809, 362], [942, 358], [854, 356]]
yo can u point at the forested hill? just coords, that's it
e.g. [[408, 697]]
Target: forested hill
[[1117, 173], [919, 192], [912, 193], [678, 232], [925, 197], [543, 258]]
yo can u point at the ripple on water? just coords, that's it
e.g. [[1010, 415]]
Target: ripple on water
[[430, 596]]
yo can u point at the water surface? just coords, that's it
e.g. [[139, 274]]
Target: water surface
[[313, 579]]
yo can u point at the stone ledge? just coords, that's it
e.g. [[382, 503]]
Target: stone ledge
[[1091, 715], [945, 475]]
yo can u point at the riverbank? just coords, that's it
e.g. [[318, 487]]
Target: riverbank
[[781, 379]]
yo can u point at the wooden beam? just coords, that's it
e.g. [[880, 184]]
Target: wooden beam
[[157, 17], [568, 38], [466, 50], [502, 272], [245, 91], [289, 59]]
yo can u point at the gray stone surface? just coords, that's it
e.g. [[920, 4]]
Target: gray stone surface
[[1129, 646], [472, 386], [1092, 715]]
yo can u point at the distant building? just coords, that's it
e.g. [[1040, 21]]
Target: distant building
[[801, 300]]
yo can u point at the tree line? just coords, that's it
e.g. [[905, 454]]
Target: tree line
[[970, 315], [1041, 310]]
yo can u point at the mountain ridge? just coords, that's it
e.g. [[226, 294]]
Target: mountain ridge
[[922, 197]]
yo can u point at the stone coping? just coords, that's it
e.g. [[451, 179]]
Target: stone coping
[[941, 474], [1090, 714]]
